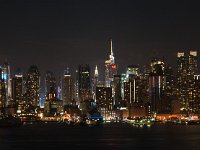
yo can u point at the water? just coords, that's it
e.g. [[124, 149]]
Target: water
[[108, 137]]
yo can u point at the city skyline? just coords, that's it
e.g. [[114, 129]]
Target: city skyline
[[54, 32], [99, 74], [131, 76]]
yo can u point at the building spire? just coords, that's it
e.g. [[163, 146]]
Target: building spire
[[112, 58], [111, 48], [96, 72]]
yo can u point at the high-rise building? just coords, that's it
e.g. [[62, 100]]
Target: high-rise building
[[33, 86], [123, 79], [59, 89], [17, 88], [187, 68], [50, 86], [76, 88], [7, 80], [2, 93], [117, 99], [67, 88], [132, 85], [94, 83], [196, 95], [170, 91], [157, 87], [104, 100], [84, 82], [132, 90], [110, 68]]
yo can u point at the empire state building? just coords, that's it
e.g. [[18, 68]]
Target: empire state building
[[110, 68]]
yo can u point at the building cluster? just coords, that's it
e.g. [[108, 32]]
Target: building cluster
[[148, 90]]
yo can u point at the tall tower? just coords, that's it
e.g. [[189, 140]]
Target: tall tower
[[110, 67], [2, 92], [67, 88], [33, 86], [196, 94], [50, 86], [133, 92], [117, 99], [17, 88], [76, 88], [157, 87], [59, 88], [84, 82], [94, 83], [7, 80]]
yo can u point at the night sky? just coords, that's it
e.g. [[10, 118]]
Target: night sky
[[56, 34]]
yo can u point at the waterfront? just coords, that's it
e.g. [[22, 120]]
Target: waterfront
[[112, 136]]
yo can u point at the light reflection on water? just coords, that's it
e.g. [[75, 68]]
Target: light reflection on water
[[107, 137]]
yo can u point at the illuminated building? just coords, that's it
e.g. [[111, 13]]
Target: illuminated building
[[2, 93], [50, 86], [54, 107], [104, 100], [76, 88], [59, 89], [33, 86], [94, 83], [67, 88], [132, 86], [157, 87], [84, 82], [132, 70], [144, 86], [17, 88], [7, 80], [170, 91], [110, 68], [196, 95], [187, 68], [117, 103], [123, 79], [132, 90]]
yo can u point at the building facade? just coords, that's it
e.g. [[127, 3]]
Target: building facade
[[84, 85], [67, 88], [33, 86], [186, 69]]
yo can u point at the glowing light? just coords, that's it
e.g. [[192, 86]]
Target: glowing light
[[113, 66], [4, 76]]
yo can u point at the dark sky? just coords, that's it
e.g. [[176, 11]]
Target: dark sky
[[54, 34]]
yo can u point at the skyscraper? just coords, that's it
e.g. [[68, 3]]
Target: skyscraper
[[7, 80], [157, 87], [59, 88], [117, 99], [67, 88], [196, 95], [133, 84], [50, 86], [84, 82], [76, 88], [17, 88], [2, 93], [186, 69], [94, 83], [170, 91], [104, 100], [110, 68], [33, 86]]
